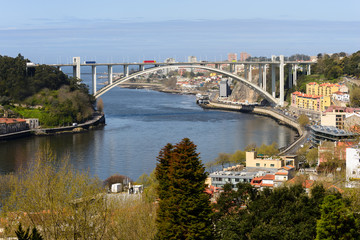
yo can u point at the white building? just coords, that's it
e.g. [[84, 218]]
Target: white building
[[353, 167], [339, 96]]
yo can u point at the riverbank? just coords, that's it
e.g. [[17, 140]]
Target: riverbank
[[97, 120], [269, 112]]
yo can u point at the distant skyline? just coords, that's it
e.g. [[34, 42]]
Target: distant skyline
[[113, 31]]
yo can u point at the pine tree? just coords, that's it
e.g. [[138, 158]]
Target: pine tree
[[184, 207], [337, 221]]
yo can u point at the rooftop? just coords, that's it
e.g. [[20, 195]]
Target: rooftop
[[11, 120], [331, 130]]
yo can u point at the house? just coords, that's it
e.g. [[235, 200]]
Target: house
[[254, 160], [10, 125], [263, 181]]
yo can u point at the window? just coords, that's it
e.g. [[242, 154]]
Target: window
[[272, 165], [264, 164], [236, 180], [258, 164]]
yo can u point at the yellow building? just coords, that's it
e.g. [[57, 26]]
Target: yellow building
[[310, 102], [324, 89], [253, 160]]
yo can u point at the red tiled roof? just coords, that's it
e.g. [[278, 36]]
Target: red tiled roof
[[308, 183], [281, 173], [269, 177], [312, 83], [11, 120]]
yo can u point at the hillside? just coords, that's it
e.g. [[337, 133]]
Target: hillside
[[42, 92]]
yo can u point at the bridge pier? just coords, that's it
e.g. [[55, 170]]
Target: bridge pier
[[273, 79], [308, 70], [110, 74], [281, 76], [264, 77], [290, 76], [250, 74], [295, 74], [245, 71], [260, 76], [76, 67], [93, 74], [126, 70]]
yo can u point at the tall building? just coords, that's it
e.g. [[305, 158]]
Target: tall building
[[244, 56], [232, 57], [192, 59], [224, 89]]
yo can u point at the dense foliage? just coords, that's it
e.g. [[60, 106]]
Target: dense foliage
[[44, 92], [337, 65], [184, 207], [282, 213]]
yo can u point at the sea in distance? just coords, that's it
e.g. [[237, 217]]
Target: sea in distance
[[139, 123]]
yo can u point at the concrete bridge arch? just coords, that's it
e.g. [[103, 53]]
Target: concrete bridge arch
[[253, 86]]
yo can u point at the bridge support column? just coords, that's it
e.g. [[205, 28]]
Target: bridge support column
[[250, 73], [295, 75], [217, 66], [93, 74], [245, 71], [126, 70], [308, 70], [76, 67], [290, 76], [260, 76], [110, 74], [264, 77], [273, 84], [231, 68], [281, 75]]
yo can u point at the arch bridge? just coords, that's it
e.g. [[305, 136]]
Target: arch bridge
[[210, 66]]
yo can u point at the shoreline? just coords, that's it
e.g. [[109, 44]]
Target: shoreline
[[264, 111], [97, 121]]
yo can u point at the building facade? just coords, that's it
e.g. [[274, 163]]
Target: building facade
[[232, 57], [353, 167], [10, 125], [310, 102]]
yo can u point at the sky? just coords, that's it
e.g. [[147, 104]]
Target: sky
[[129, 31]]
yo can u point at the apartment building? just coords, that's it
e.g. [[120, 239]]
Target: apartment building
[[310, 102]]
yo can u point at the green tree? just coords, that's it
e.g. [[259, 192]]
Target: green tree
[[184, 207], [336, 221], [312, 156], [270, 150], [239, 157], [303, 120], [222, 159], [355, 97]]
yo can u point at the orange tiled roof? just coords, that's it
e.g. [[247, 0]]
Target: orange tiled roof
[[269, 177], [308, 183], [281, 173], [11, 120]]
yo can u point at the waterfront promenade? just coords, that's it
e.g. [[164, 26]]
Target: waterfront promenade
[[274, 113]]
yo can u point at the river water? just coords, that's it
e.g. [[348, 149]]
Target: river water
[[139, 123]]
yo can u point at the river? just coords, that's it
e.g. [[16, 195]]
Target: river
[[139, 124]]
